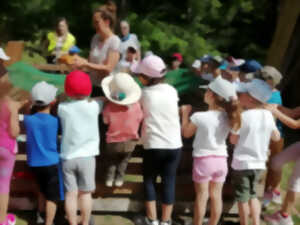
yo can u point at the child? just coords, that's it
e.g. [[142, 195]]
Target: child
[[272, 194], [9, 130], [210, 150], [79, 145], [252, 145], [290, 154], [123, 115], [161, 137], [41, 147], [131, 58]]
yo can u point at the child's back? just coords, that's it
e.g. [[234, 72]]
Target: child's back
[[161, 127], [251, 151], [80, 132], [42, 137]]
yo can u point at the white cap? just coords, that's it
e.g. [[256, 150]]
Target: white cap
[[196, 64], [257, 88], [3, 55], [43, 93], [223, 88]]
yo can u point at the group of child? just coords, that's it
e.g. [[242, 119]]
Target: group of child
[[236, 110]]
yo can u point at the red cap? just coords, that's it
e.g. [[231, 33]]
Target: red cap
[[78, 83], [178, 56]]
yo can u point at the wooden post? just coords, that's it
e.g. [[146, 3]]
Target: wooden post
[[289, 13], [14, 49]]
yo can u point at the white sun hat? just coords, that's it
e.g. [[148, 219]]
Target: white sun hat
[[223, 88], [43, 93], [256, 88], [3, 55], [121, 89]]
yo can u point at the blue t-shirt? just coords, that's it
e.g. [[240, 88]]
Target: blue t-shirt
[[42, 137], [276, 99]]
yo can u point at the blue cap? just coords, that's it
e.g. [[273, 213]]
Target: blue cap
[[206, 58], [250, 66], [74, 49]]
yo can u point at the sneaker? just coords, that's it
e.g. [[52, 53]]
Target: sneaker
[[109, 182], [278, 219], [10, 219], [119, 181], [166, 222], [271, 196], [145, 221], [39, 218]]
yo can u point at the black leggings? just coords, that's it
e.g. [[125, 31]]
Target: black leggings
[[164, 163]]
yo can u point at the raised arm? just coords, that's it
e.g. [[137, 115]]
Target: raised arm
[[288, 121], [188, 128], [294, 113]]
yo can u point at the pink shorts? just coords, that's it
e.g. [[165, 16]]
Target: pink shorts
[[210, 168], [7, 162]]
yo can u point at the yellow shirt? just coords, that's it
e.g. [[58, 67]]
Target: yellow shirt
[[68, 43]]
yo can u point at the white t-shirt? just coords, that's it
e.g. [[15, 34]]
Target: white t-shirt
[[131, 41], [251, 151], [99, 53], [161, 126], [211, 134], [80, 131]]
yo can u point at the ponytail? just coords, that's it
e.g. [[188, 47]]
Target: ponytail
[[233, 111]]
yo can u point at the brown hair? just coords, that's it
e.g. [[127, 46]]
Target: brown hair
[[17, 94], [108, 12], [233, 110]]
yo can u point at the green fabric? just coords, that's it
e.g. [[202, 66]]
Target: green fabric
[[24, 76], [184, 80]]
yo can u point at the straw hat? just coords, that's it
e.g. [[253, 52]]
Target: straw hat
[[121, 89]]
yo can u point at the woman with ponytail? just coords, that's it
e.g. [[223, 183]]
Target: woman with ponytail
[[211, 130], [105, 45]]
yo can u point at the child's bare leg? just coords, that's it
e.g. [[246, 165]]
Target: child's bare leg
[[71, 206], [215, 194], [3, 206], [151, 210], [86, 204], [255, 209], [167, 210], [244, 212], [50, 212], [200, 202]]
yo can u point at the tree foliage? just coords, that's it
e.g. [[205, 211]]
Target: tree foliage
[[243, 28]]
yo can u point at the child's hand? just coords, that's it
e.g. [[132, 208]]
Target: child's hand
[[186, 109], [271, 107]]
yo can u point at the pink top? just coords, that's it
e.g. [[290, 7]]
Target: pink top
[[123, 122], [6, 141]]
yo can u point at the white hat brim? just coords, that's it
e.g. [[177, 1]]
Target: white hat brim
[[131, 99]]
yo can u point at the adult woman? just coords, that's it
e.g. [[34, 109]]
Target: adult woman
[[59, 41], [128, 40], [104, 53]]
